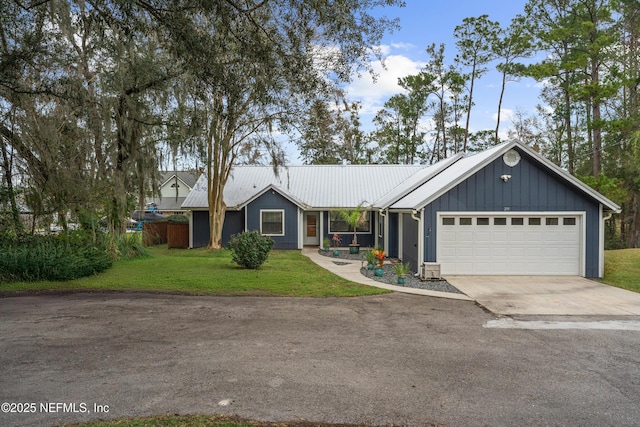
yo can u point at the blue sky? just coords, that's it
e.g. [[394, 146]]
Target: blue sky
[[424, 22]]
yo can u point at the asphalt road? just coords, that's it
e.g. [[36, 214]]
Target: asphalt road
[[400, 359]]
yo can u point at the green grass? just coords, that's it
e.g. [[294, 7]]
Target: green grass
[[199, 421], [202, 272], [622, 269]]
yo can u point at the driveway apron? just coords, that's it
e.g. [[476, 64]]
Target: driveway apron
[[547, 295]]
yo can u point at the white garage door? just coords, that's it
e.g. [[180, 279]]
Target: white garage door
[[482, 243]]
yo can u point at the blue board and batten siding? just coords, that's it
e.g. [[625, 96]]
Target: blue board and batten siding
[[233, 224], [201, 232], [272, 200], [392, 250], [531, 188]]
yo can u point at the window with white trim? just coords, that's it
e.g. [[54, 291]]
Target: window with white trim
[[337, 224], [272, 222]]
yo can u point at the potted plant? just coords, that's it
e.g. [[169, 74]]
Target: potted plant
[[379, 256], [371, 259], [326, 243], [335, 241], [401, 270], [355, 218]]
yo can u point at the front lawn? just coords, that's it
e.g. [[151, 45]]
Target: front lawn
[[202, 272], [622, 269]]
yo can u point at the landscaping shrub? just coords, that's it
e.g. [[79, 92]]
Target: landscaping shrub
[[130, 245], [250, 249], [60, 257], [178, 218]]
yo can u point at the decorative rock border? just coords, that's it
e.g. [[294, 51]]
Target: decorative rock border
[[389, 276]]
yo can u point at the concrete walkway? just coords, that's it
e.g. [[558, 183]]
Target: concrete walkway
[[548, 295], [350, 270]]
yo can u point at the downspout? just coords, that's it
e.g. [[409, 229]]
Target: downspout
[[604, 217], [419, 216]]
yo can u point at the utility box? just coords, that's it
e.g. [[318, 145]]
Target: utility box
[[430, 270]]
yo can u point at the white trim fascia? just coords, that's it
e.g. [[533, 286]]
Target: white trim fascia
[[601, 242], [278, 190], [190, 229], [321, 215], [301, 228], [400, 226], [421, 239], [385, 237], [583, 225]]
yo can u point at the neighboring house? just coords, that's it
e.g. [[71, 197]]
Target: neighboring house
[[174, 188], [506, 210]]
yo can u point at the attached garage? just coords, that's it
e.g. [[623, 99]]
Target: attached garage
[[506, 211], [518, 244]]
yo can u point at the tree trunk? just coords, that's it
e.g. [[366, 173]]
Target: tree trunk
[[220, 160], [633, 230], [466, 129], [216, 216], [567, 119], [504, 83], [597, 125], [444, 129], [15, 212]]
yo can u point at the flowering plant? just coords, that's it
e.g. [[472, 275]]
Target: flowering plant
[[335, 240], [380, 255]]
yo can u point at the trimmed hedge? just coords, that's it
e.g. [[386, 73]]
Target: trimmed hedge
[[250, 249], [63, 257]]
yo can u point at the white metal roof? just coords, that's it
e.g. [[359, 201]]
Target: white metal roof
[[317, 186], [402, 187], [438, 184], [414, 181]]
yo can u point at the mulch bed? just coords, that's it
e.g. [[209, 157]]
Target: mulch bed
[[389, 276]]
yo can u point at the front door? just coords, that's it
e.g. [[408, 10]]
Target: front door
[[311, 231]]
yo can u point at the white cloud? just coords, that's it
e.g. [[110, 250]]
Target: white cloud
[[403, 46], [506, 116], [372, 94]]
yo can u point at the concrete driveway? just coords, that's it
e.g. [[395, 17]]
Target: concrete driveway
[[547, 295]]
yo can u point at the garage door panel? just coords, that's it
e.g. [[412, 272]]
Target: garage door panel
[[531, 245], [501, 237], [482, 236], [464, 252]]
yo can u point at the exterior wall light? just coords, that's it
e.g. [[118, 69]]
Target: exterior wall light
[[505, 178]]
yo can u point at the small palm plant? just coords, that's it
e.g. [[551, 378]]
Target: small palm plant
[[326, 243], [402, 269], [355, 218], [370, 256]]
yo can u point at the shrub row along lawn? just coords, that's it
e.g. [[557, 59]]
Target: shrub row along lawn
[[203, 272], [622, 269]]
